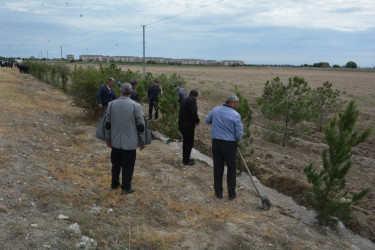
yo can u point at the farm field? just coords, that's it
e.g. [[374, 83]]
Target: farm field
[[51, 164]]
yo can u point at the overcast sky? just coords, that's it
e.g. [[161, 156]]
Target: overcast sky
[[257, 32]]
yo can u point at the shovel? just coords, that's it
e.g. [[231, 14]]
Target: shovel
[[265, 202]]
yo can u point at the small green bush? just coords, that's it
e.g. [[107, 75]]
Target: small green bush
[[168, 104]]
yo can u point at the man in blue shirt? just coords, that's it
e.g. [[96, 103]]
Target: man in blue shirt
[[226, 131]]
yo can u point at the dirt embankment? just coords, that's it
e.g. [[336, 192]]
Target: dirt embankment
[[51, 164]]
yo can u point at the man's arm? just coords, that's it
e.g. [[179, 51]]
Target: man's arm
[[140, 125], [194, 113], [238, 128], [108, 121], [99, 96], [208, 118], [114, 95]]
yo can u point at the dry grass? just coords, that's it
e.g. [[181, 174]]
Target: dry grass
[[69, 172]]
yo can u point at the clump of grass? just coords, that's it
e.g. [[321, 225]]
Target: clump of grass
[[144, 237], [3, 209]]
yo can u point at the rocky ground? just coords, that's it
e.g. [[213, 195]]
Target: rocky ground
[[55, 187]]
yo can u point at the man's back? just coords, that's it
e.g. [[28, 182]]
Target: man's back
[[226, 123], [188, 114], [182, 94], [134, 96], [124, 115]]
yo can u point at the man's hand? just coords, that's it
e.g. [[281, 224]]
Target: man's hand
[[109, 144], [100, 106], [141, 147]]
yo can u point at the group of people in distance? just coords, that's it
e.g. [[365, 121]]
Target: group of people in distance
[[125, 120]]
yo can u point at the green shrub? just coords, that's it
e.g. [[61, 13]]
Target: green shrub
[[84, 88], [52, 74], [328, 195], [168, 104]]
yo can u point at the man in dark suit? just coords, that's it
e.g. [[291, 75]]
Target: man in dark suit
[[134, 96], [106, 94], [153, 98], [187, 121]]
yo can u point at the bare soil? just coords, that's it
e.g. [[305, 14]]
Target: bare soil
[[52, 164]]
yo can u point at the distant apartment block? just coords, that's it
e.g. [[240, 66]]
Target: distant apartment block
[[70, 57], [133, 59]]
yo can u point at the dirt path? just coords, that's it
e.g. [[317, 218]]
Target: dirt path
[[51, 164]]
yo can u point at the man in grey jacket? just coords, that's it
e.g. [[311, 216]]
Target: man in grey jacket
[[125, 123]]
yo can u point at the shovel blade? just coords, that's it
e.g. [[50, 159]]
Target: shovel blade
[[266, 203]]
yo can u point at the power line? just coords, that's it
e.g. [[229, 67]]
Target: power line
[[94, 37], [144, 26], [184, 12], [163, 19]]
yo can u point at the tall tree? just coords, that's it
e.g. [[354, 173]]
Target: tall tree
[[351, 65], [288, 103], [328, 195]]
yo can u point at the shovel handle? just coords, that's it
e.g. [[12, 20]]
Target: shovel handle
[[248, 171]]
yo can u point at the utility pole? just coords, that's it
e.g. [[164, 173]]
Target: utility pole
[[144, 54], [61, 52]]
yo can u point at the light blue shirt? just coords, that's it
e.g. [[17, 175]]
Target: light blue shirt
[[226, 123]]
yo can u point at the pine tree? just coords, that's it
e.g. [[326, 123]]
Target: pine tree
[[328, 195], [168, 104], [288, 103], [246, 117], [325, 101]]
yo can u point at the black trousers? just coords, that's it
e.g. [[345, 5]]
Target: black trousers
[[151, 104], [188, 141], [224, 151], [125, 160]]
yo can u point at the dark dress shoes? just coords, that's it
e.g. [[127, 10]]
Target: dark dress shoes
[[128, 191], [219, 196], [232, 197], [190, 162]]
